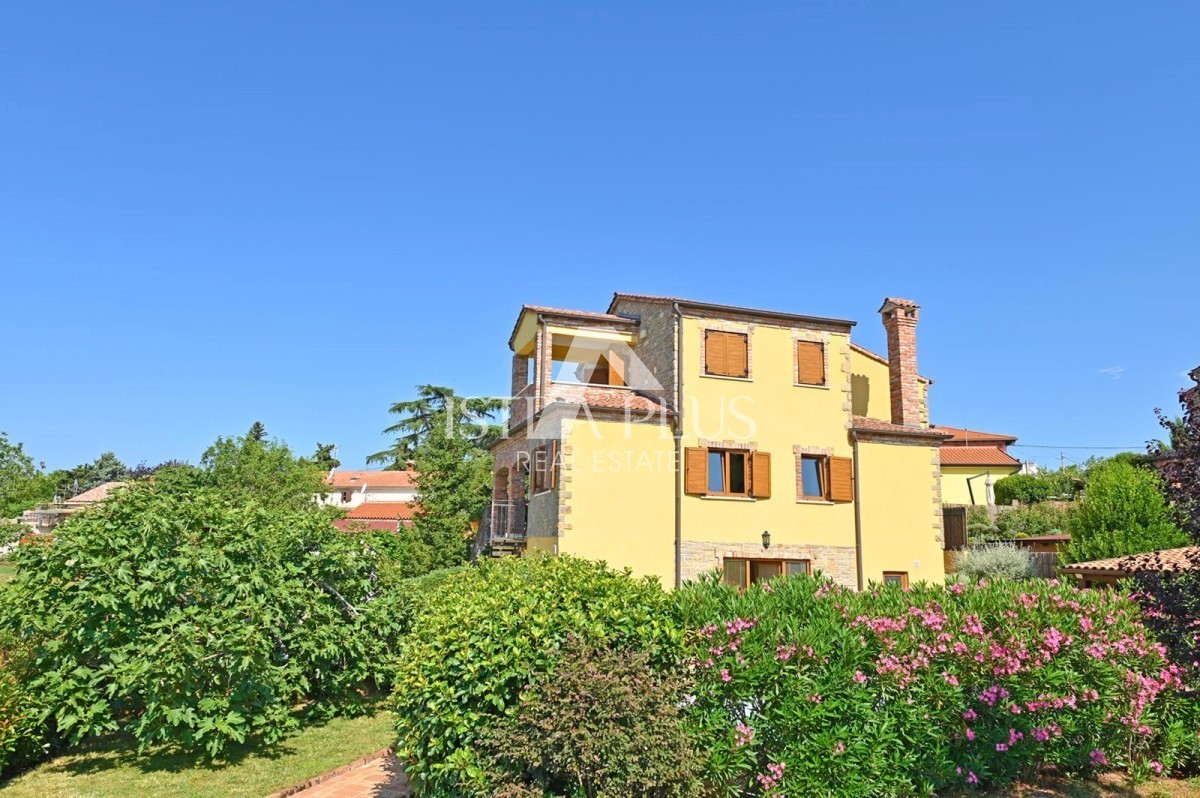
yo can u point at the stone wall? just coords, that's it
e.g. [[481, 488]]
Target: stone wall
[[836, 562], [653, 371]]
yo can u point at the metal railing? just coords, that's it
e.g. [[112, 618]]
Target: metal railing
[[502, 522]]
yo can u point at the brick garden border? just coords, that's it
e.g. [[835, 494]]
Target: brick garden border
[[338, 771]]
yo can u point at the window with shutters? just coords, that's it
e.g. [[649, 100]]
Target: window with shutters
[[742, 572], [545, 467], [810, 363], [726, 354], [822, 478], [733, 473]]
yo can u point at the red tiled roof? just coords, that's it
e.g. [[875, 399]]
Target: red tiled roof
[[961, 436], [602, 396], [347, 523], [372, 479], [975, 455], [1186, 558], [384, 511], [96, 494], [864, 424], [713, 306]]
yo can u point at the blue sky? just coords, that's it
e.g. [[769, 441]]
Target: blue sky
[[212, 213]]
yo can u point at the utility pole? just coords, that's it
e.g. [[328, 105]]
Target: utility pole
[[1062, 461]]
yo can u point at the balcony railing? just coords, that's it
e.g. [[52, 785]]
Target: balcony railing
[[502, 529]]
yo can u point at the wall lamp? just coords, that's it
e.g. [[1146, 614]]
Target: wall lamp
[[766, 539]]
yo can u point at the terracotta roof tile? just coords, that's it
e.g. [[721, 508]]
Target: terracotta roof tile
[[373, 523], [582, 314], [961, 435], [372, 479], [602, 396], [718, 307], [384, 511], [864, 424], [96, 494], [975, 455], [1186, 558]]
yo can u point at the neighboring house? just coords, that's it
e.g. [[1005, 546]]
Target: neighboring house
[[1100, 573], [379, 515], [349, 489], [972, 461], [44, 519], [378, 499], [676, 437]]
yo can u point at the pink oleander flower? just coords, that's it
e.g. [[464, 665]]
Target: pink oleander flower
[[1156, 768], [840, 749], [743, 735], [725, 677], [970, 733], [815, 698], [860, 677], [1098, 757]]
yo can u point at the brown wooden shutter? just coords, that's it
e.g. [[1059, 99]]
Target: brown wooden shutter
[[841, 479], [616, 368], [810, 363], [714, 352], [737, 360], [760, 475], [695, 470], [552, 465]]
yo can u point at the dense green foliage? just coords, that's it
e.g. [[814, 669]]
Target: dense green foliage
[[22, 734], [810, 689], [437, 408], [1122, 512], [1021, 521], [795, 686], [199, 621], [994, 561], [1040, 487], [602, 723], [1180, 465], [488, 632], [261, 471], [22, 483]]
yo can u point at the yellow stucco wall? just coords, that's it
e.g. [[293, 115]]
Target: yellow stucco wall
[[775, 414], [896, 490], [620, 491], [871, 385], [954, 482]]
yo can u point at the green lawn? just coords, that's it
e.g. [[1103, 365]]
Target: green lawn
[[111, 769], [8, 570]]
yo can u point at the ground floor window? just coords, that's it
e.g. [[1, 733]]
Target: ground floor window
[[742, 572], [898, 578]]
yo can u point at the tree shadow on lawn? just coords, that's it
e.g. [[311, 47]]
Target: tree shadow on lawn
[[120, 751]]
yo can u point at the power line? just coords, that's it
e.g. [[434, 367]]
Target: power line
[[1035, 446]]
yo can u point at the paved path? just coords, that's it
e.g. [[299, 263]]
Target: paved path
[[380, 778]]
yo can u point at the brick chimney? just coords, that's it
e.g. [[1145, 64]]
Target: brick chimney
[[900, 321]]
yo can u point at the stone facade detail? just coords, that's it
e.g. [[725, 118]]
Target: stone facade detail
[[653, 370], [836, 562]]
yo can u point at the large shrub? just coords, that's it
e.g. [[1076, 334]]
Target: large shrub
[[1122, 512], [198, 620], [602, 723], [808, 689], [1033, 488], [488, 632], [1046, 518], [994, 561]]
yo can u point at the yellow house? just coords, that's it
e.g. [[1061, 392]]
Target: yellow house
[[972, 462], [676, 437]]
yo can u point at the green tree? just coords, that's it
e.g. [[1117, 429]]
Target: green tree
[[1123, 511], [85, 476], [323, 457], [265, 471], [468, 417], [257, 432], [22, 483]]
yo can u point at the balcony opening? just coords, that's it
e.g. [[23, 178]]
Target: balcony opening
[[578, 361]]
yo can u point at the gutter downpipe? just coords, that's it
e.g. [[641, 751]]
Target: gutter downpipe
[[858, 558], [678, 444]]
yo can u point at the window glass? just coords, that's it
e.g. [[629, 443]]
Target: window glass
[[735, 572], [737, 472], [897, 579], [762, 570], [797, 568], [811, 477], [716, 472]]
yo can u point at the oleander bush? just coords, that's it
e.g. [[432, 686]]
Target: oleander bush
[[201, 620], [994, 561], [489, 633], [805, 688]]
